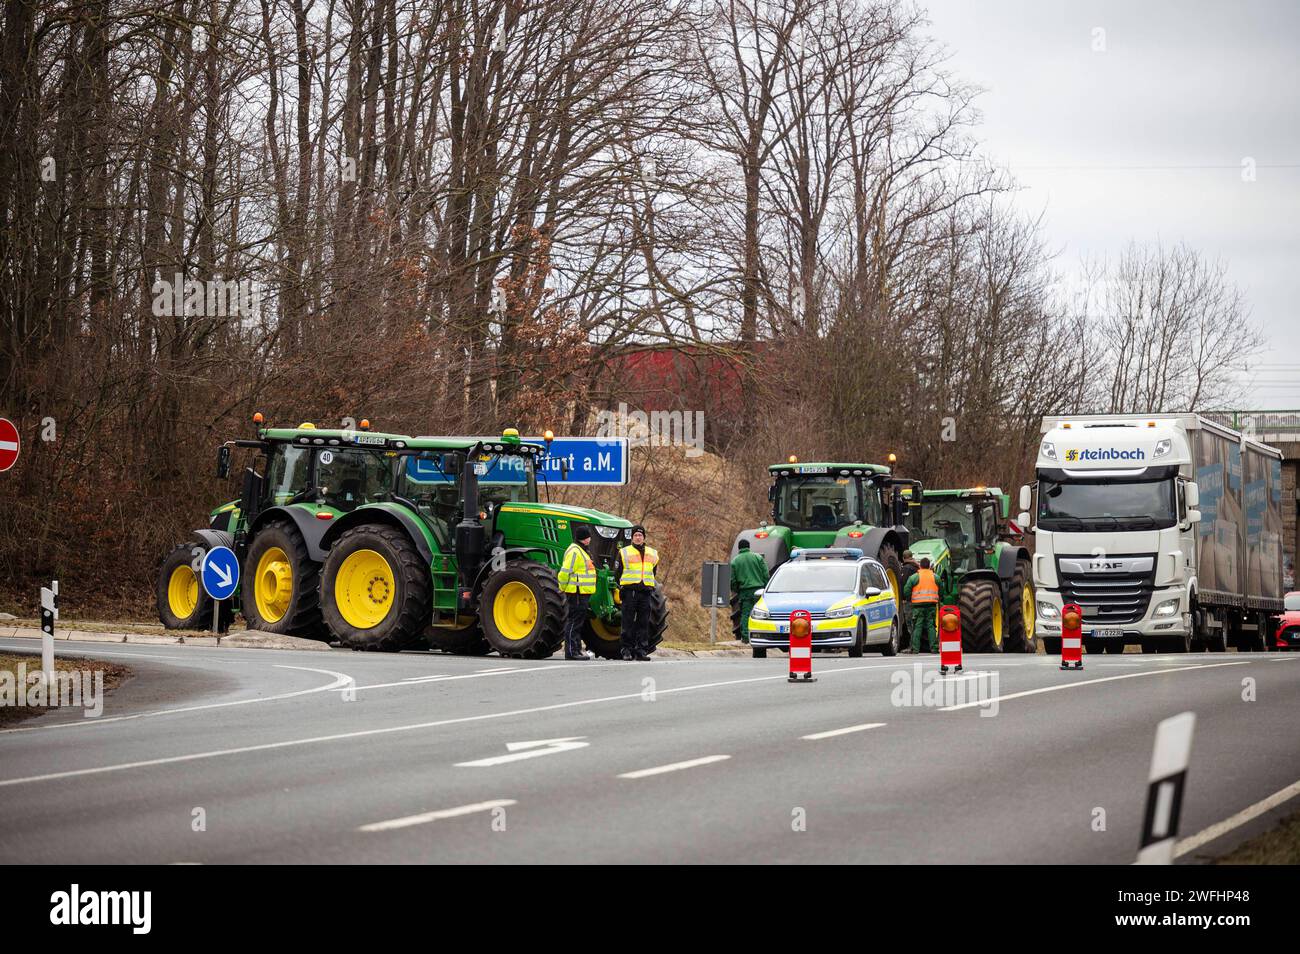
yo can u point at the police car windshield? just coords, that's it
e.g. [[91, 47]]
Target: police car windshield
[[815, 577]]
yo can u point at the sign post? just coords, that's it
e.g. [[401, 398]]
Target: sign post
[[715, 591], [49, 613], [220, 574]]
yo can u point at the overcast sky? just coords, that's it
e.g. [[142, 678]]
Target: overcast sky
[[1160, 122]]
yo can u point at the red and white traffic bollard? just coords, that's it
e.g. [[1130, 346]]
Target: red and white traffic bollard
[[1071, 636], [801, 647], [949, 639]]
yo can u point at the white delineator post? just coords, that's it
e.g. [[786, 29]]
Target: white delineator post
[[1166, 782], [49, 613]]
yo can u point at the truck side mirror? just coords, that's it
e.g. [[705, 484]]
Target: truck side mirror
[[223, 462], [1022, 519], [1025, 497], [1193, 516], [1192, 494], [771, 493]]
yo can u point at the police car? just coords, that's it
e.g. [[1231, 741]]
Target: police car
[[846, 594]]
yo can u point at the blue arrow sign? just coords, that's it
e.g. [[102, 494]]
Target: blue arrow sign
[[220, 572]]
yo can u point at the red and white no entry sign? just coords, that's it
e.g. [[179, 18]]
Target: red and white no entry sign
[[9, 444]]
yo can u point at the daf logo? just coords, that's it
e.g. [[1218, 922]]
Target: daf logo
[[1101, 566]]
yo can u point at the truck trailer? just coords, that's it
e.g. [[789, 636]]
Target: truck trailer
[[1166, 529]]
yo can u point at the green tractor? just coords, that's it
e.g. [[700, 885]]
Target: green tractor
[[307, 478], [989, 578], [833, 505], [463, 547], [383, 540]]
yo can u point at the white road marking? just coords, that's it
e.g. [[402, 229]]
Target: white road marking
[[845, 731], [411, 727], [340, 679], [446, 677], [442, 813], [529, 750], [675, 766], [1188, 845], [1084, 682]]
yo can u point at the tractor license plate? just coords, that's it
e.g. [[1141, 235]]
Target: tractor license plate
[[371, 439], [1107, 633]]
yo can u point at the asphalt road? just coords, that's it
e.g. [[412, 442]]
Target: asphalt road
[[351, 757]]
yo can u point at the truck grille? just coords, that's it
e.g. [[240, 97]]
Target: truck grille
[[1108, 598]]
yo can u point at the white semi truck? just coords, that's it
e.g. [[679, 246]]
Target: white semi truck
[[1165, 528]]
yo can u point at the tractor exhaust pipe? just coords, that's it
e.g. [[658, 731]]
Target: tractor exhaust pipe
[[471, 538]]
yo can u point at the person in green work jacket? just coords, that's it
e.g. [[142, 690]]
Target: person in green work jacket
[[922, 591], [748, 575]]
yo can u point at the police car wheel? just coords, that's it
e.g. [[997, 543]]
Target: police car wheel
[[891, 648], [855, 651]]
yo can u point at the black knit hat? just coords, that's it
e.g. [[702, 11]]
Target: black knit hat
[[635, 530], [581, 532], [743, 545]]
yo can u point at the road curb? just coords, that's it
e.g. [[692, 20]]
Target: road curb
[[240, 639]]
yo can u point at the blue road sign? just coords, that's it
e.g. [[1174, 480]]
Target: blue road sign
[[220, 572], [592, 460]]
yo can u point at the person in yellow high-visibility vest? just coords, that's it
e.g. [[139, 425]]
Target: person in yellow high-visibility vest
[[922, 589], [635, 584], [577, 583]]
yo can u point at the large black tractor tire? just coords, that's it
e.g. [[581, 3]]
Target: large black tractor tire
[[606, 641], [181, 600], [1021, 611], [888, 558], [375, 589], [463, 641], [280, 587], [522, 610], [981, 616]]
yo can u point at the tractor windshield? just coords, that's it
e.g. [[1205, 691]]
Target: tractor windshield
[[349, 477], [820, 502], [964, 525], [506, 478]]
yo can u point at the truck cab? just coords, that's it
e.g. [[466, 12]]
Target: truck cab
[[1114, 516]]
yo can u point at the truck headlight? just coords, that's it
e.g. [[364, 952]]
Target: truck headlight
[[1167, 608], [1162, 447], [1048, 611], [1049, 450], [609, 533], [759, 612], [840, 613]]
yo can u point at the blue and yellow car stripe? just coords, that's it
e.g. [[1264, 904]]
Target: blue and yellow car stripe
[[878, 610]]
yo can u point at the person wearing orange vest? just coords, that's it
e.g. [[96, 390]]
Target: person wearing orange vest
[[636, 582], [577, 583], [922, 591]]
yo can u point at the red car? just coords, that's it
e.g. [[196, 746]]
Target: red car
[[1288, 624]]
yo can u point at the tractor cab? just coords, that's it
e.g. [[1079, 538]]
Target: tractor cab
[[965, 520], [822, 501]]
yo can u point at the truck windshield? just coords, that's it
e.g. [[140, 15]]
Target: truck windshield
[[1102, 505], [819, 577], [818, 503]]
